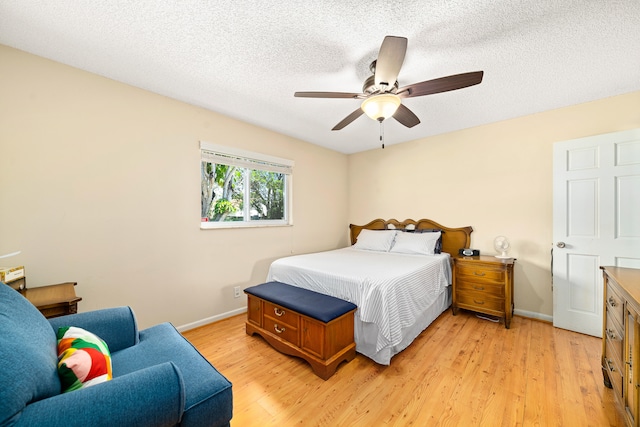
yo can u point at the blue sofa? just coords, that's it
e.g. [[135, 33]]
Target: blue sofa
[[159, 378]]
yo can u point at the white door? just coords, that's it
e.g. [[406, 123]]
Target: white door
[[596, 222]]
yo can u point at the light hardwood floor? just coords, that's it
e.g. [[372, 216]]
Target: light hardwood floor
[[461, 371]]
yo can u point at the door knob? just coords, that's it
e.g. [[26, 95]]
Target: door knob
[[561, 245]]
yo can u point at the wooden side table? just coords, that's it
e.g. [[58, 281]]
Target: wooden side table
[[484, 284], [54, 300]]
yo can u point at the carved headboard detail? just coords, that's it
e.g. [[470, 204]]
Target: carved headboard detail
[[452, 238]]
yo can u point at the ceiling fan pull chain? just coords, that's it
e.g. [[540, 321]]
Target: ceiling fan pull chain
[[382, 134]]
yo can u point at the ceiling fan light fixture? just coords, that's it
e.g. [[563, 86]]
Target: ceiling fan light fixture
[[382, 106]]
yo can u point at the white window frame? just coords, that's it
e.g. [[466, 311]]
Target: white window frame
[[215, 153]]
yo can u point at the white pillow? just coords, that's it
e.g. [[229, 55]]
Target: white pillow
[[416, 243], [375, 240]]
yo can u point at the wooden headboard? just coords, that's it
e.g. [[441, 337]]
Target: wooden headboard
[[452, 238]]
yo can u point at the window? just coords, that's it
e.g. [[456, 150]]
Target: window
[[243, 189]]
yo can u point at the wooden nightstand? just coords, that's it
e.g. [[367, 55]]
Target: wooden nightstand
[[54, 300], [484, 284]]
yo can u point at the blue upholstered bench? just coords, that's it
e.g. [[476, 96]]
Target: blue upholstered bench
[[315, 327]]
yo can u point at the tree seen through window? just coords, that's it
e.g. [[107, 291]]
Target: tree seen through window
[[224, 195]]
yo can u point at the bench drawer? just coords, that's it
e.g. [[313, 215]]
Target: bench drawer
[[283, 315], [286, 331]]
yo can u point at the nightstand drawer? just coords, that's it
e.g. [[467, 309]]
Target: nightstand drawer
[[480, 273], [480, 301], [486, 288]]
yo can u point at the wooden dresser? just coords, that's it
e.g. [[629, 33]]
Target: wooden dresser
[[484, 284], [621, 338]]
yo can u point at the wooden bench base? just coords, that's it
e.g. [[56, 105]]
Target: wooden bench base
[[323, 345]]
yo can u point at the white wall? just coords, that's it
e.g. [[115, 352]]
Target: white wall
[[496, 178], [100, 184]]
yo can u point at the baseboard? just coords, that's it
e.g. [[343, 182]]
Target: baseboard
[[211, 319], [206, 321], [533, 315]]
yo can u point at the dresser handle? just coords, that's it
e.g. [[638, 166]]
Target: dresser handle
[[611, 368], [278, 330], [482, 273], [612, 302], [479, 288], [610, 334], [478, 302], [278, 312]]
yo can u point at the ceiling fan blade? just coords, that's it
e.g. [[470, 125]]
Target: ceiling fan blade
[[351, 117], [405, 116], [390, 59], [327, 95], [442, 84]]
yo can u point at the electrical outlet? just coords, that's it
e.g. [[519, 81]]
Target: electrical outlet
[[236, 292]]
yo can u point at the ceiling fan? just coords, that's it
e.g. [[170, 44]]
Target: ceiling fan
[[381, 93]]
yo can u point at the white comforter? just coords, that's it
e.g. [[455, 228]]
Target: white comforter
[[391, 290]]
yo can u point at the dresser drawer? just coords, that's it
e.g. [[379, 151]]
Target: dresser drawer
[[614, 369], [614, 334], [284, 315], [615, 303], [480, 273], [480, 302], [286, 331], [486, 288]]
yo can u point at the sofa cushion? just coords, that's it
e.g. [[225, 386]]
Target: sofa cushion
[[208, 395], [83, 359], [28, 356]]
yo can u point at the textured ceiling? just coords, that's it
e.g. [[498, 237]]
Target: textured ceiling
[[245, 59]]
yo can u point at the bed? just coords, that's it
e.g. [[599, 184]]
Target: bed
[[397, 278]]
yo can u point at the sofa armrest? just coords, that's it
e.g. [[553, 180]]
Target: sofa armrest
[[116, 326], [149, 397]]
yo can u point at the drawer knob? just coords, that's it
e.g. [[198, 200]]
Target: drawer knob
[[278, 312], [479, 273], [611, 368], [612, 302], [611, 334], [278, 330]]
